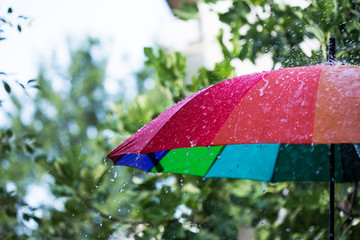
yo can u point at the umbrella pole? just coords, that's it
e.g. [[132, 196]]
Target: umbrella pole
[[332, 61], [332, 192], [331, 58]]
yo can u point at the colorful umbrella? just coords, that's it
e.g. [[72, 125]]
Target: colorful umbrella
[[270, 126]]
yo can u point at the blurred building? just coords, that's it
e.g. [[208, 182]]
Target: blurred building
[[204, 51]]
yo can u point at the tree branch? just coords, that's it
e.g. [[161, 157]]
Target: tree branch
[[113, 218]]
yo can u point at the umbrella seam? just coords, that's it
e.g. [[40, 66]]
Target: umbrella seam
[[276, 162], [216, 158], [316, 98], [260, 77]]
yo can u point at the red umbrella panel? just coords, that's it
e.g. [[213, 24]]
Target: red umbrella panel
[[288, 115]]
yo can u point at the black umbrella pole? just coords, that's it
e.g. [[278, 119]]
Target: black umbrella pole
[[332, 61], [332, 192], [331, 51]]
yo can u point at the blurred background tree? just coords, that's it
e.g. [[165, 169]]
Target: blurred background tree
[[61, 144]]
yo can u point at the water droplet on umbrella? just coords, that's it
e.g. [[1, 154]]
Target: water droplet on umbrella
[[264, 87]]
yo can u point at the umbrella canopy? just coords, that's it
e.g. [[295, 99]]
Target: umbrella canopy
[[288, 116]]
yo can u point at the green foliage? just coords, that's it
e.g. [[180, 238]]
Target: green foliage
[[222, 71], [259, 27], [187, 11], [170, 69]]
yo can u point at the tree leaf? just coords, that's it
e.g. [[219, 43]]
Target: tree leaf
[[9, 133], [37, 87], [21, 85], [10, 10], [29, 149], [19, 28], [31, 80], [7, 87], [26, 217], [187, 11]]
